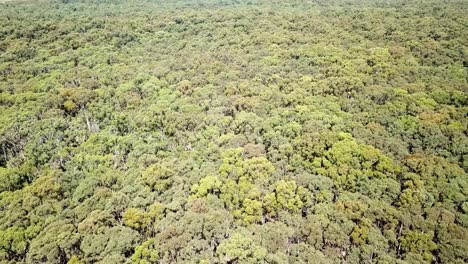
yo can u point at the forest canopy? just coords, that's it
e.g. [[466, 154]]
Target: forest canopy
[[234, 131]]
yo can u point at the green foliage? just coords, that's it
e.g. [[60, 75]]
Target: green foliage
[[286, 196], [207, 185], [13, 241], [135, 218], [74, 260], [145, 253], [241, 248], [418, 243], [349, 164], [158, 177], [245, 131]]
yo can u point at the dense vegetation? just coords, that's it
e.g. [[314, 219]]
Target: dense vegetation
[[234, 131]]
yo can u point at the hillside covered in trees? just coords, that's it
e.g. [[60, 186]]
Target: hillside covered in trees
[[249, 131]]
